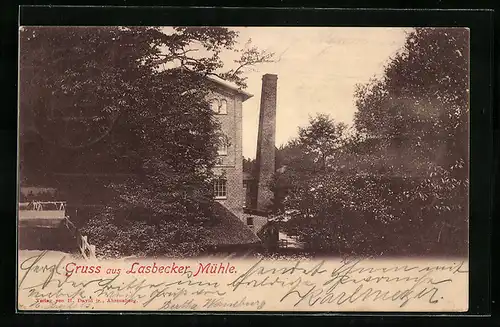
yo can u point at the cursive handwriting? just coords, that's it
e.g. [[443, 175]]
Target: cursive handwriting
[[33, 265], [308, 285], [260, 271]]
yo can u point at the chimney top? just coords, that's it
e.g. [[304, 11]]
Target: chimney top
[[270, 76]]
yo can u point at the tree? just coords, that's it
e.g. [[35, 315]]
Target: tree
[[423, 99], [399, 185], [322, 138], [314, 150], [102, 100]]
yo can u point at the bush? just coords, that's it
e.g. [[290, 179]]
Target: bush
[[371, 215], [115, 234]]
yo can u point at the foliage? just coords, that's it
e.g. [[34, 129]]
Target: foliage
[[128, 100], [375, 214], [399, 184], [250, 56], [116, 235], [423, 96], [301, 159], [322, 138]]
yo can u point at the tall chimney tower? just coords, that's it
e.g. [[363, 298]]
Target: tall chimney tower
[[265, 157]]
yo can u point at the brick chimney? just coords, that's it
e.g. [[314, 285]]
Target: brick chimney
[[265, 158]]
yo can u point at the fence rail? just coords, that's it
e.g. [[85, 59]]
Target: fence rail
[[283, 243], [55, 210], [86, 249], [43, 205]]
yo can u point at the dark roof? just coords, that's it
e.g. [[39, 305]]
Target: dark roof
[[230, 230]]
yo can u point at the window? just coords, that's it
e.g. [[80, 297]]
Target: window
[[220, 191], [214, 105], [219, 107], [250, 221], [223, 108], [222, 151], [223, 145]]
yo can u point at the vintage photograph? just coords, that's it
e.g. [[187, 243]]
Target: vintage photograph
[[257, 144]]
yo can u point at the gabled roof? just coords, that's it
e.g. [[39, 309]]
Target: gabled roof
[[231, 86]]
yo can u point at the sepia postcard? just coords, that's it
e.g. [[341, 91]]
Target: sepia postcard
[[270, 169]]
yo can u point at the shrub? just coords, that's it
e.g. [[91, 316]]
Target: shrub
[[115, 234]]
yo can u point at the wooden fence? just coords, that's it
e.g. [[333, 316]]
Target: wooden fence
[[41, 212], [86, 249], [43, 205]]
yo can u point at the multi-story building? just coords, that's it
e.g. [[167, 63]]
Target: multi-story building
[[248, 197], [227, 103]]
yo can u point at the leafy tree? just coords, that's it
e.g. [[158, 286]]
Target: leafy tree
[[423, 99], [399, 185], [129, 100], [303, 158], [322, 138]]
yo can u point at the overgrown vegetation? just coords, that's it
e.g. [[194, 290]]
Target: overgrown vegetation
[[130, 104], [397, 183]]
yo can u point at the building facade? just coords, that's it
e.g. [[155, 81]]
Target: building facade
[[227, 103]]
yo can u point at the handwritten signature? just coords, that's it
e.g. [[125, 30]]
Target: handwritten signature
[[293, 284]]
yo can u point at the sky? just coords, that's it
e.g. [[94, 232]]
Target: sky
[[317, 68]]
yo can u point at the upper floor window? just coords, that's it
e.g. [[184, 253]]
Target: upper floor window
[[223, 146], [219, 106], [214, 105], [222, 150], [223, 107]]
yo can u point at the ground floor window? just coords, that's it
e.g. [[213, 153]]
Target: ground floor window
[[220, 188]]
